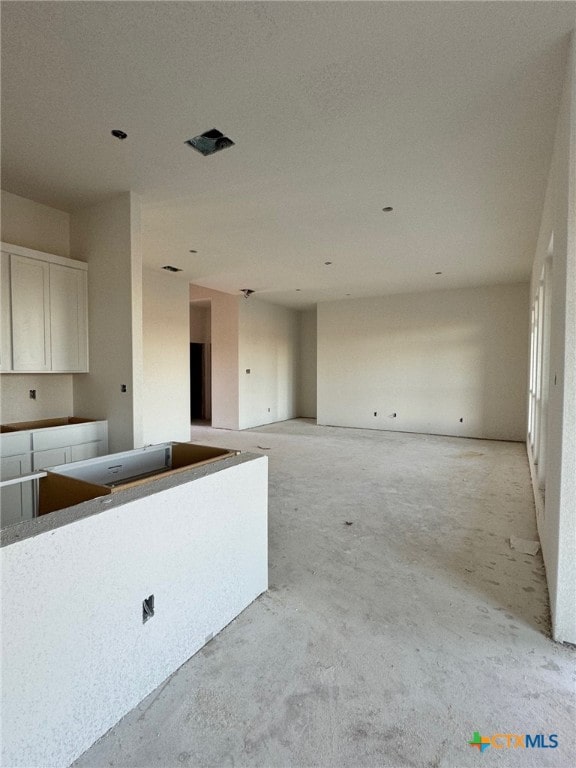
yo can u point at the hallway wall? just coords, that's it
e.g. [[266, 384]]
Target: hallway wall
[[557, 514], [166, 358], [268, 348]]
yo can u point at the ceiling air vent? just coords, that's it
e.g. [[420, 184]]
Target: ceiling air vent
[[170, 268], [210, 142]]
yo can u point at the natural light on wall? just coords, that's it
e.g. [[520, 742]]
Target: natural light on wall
[[540, 370]]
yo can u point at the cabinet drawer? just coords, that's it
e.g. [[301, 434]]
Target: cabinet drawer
[[60, 437], [12, 444]]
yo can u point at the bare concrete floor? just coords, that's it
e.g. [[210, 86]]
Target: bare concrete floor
[[387, 642]]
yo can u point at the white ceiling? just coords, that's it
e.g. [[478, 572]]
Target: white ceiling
[[446, 111]]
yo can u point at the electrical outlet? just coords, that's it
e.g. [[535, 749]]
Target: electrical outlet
[[32, 394], [147, 608], [247, 370], [123, 388], [394, 415], [461, 420], [268, 410]]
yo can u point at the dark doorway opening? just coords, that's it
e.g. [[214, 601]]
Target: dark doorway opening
[[196, 382], [200, 383]]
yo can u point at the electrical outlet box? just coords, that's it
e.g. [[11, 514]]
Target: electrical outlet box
[[147, 608]]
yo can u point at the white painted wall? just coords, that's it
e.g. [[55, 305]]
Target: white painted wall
[[224, 336], [557, 512], [199, 324], [107, 237], [268, 347], [431, 358], [307, 363], [54, 397], [166, 358], [24, 222], [76, 655], [33, 225]]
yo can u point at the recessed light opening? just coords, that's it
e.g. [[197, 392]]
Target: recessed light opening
[[192, 251], [209, 142], [119, 134], [437, 273], [388, 209], [170, 268], [327, 263]]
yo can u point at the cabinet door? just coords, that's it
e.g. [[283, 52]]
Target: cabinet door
[[85, 451], [30, 292], [16, 500], [68, 318], [5, 315], [51, 458]]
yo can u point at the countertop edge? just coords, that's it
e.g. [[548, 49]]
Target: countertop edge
[[29, 528]]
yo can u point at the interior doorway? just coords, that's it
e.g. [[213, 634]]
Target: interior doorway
[[200, 363]]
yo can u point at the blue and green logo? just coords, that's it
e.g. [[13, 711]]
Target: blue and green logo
[[514, 741]]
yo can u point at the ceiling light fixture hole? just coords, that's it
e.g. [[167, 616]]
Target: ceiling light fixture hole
[[119, 134], [209, 142], [388, 209]]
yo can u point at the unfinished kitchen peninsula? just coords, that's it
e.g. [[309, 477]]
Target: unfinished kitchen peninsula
[[135, 561]]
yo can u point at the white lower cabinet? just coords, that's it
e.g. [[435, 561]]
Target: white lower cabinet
[[86, 451], [56, 456], [43, 459], [16, 501], [31, 450]]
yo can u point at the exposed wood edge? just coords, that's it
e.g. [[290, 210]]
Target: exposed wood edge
[[169, 472], [59, 491]]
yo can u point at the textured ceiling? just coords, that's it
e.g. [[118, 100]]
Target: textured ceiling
[[445, 111]]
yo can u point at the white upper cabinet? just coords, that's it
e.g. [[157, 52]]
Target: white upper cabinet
[[44, 313], [68, 329], [5, 315], [30, 291]]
